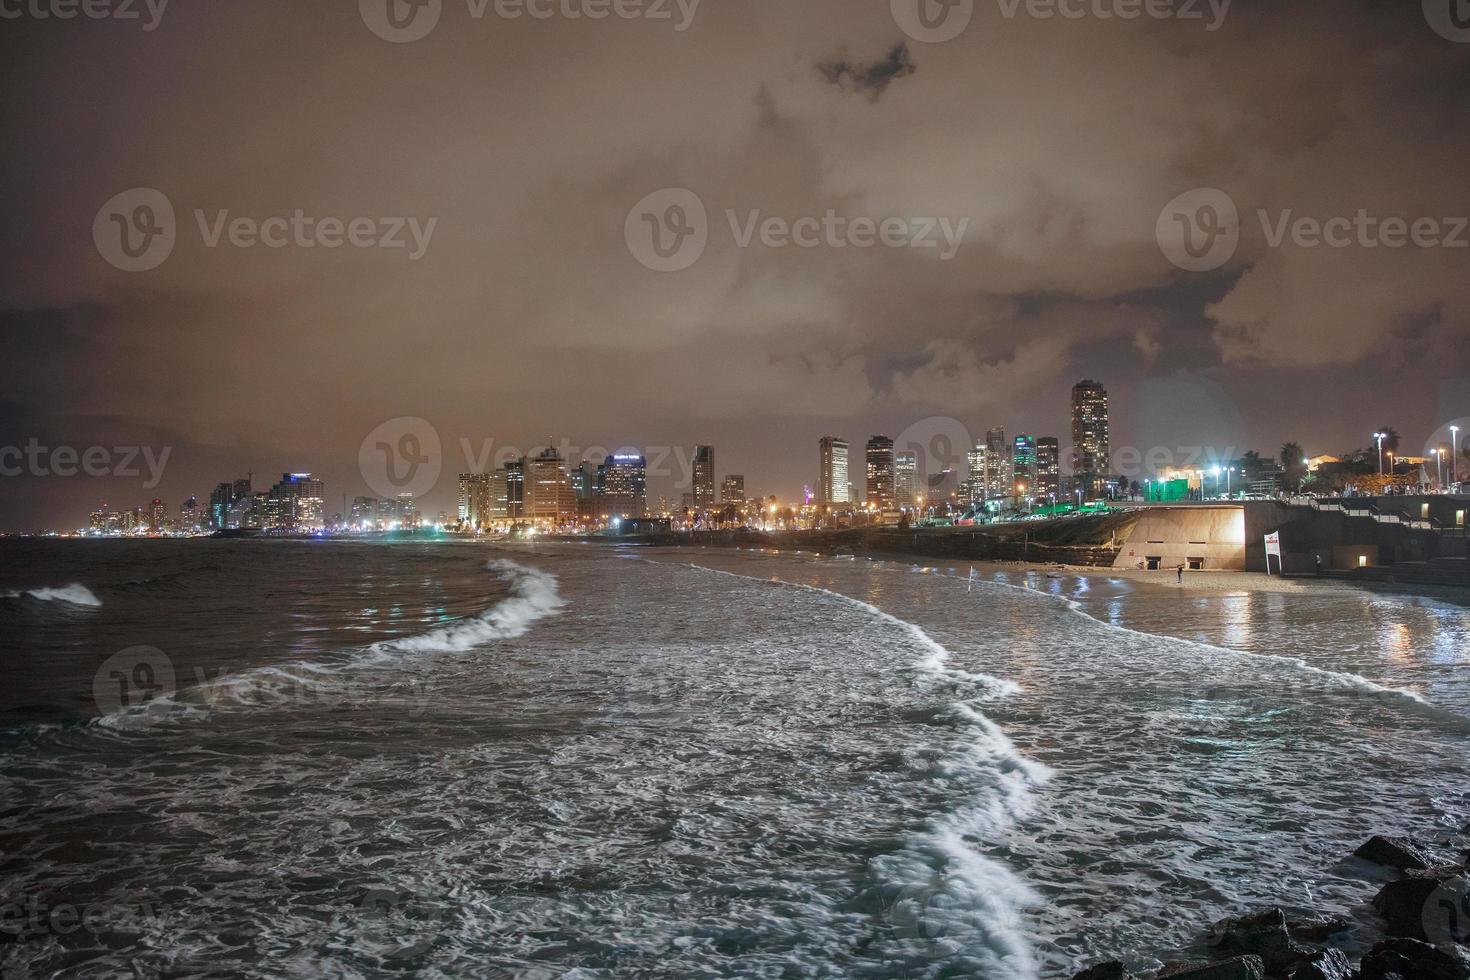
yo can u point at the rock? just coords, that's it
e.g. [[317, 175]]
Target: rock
[[1105, 971], [1395, 852], [1329, 964], [1409, 959], [1319, 930], [1404, 903], [1235, 968], [1264, 934]]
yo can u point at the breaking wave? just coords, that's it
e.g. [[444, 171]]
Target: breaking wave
[[74, 594]]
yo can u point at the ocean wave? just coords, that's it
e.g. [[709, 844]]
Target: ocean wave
[[533, 596], [74, 594], [955, 907]]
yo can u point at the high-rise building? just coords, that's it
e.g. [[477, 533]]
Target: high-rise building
[[1023, 465], [977, 462], [191, 516], [622, 487], [474, 499], [157, 517], [515, 490], [732, 489], [999, 475], [704, 499], [1048, 468], [549, 497], [880, 473], [906, 480], [296, 504], [1091, 451], [833, 480]]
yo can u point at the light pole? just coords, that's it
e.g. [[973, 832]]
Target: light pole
[[1379, 437], [1439, 465], [1228, 471], [1454, 451], [1216, 474]]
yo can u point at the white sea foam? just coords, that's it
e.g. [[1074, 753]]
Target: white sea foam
[[946, 900], [533, 596], [74, 594]]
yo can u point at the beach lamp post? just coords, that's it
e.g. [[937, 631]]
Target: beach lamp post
[[1439, 465], [1379, 437], [1454, 451]]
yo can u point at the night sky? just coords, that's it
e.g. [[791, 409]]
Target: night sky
[[1058, 142]]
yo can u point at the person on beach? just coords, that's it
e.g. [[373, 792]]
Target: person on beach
[[1180, 570]]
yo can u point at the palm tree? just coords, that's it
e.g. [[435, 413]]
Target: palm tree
[[1293, 463]]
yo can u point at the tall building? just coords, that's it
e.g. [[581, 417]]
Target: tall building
[[832, 479], [880, 473], [1023, 464], [157, 517], [732, 490], [622, 487], [977, 462], [1048, 468], [296, 504], [1091, 451], [191, 516], [549, 497], [474, 499], [515, 490], [906, 480], [704, 499], [1000, 481]]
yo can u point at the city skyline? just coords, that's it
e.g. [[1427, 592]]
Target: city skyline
[[526, 312]]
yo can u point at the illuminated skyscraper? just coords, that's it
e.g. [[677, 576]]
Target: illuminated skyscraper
[[549, 497], [1048, 468], [880, 473], [906, 480], [295, 505], [474, 498], [999, 475], [833, 479], [704, 479], [1091, 452], [976, 462], [622, 487], [1023, 464]]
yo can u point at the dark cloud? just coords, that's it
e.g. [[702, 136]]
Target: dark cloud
[[873, 77]]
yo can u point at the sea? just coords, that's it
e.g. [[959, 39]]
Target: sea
[[359, 759]]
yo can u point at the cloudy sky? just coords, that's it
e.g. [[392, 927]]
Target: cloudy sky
[[1022, 168]]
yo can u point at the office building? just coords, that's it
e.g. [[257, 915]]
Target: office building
[[622, 487], [732, 490], [833, 480], [1091, 451], [906, 480], [1023, 465], [549, 499], [704, 499], [1048, 468], [880, 473]]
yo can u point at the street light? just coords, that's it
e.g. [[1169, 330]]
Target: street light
[[1215, 472], [1228, 471], [1454, 451], [1439, 465], [1380, 437]]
